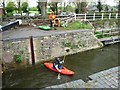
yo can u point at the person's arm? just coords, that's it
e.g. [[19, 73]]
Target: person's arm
[[56, 66]]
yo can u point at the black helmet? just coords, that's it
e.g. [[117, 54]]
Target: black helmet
[[58, 58]]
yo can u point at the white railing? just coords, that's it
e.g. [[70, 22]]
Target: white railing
[[86, 17], [93, 16]]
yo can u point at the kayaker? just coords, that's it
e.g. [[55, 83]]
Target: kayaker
[[51, 18], [58, 64]]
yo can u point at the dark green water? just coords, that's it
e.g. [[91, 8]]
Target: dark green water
[[83, 64]]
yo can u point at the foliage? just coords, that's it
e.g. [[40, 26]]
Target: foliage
[[60, 8], [106, 8], [35, 12], [76, 11], [81, 7], [24, 7], [39, 9], [70, 8], [54, 7], [119, 6], [77, 25], [10, 7], [9, 14], [33, 9], [99, 6], [69, 44], [100, 35], [18, 58]]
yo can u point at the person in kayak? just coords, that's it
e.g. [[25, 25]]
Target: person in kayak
[[58, 64]]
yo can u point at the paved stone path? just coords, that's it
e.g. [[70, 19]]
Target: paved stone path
[[25, 32], [104, 79]]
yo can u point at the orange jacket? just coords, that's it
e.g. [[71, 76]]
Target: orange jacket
[[51, 16]]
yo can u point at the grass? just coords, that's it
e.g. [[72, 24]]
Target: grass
[[100, 35], [76, 25], [34, 12]]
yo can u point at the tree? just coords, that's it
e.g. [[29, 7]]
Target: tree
[[106, 8], [81, 7], [64, 6], [39, 9], [70, 8], [43, 7], [33, 9], [4, 7], [10, 7], [19, 7], [24, 7], [99, 6], [119, 6], [54, 7], [78, 9]]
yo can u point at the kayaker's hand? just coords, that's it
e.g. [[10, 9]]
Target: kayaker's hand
[[59, 70]]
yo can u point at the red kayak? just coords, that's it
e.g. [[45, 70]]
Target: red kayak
[[63, 70]]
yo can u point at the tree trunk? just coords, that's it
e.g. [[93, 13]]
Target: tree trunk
[[56, 8], [19, 7], [43, 6], [4, 7], [119, 7], [79, 7], [83, 7], [64, 6]]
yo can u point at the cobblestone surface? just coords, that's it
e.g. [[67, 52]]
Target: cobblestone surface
[[104, 79]]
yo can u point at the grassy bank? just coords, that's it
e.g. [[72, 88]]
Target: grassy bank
[[76, 25]]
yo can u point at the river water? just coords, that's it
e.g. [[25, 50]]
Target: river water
[[83, 64]]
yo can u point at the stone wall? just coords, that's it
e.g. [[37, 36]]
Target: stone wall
[[11, 48], [54, 45], [49, 46]]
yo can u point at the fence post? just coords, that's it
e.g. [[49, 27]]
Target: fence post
[[85, 17], [75, 16], [109, 15], [116, 15], [32, 50], [102, 16], [94, 16]]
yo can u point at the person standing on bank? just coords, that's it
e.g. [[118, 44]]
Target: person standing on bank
[[56, 23], [51, 18]]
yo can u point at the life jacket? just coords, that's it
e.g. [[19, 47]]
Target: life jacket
[[51, 17], [56, 22], [59, 63]]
